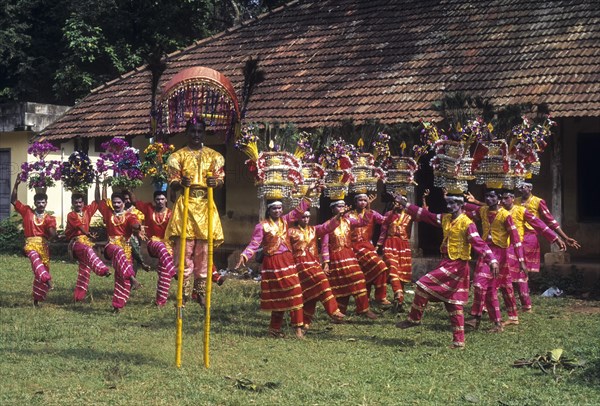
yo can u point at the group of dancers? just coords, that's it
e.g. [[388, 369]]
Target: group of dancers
[[295, 275], [127, 221], [305, 264]]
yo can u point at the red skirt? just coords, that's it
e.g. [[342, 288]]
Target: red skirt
[[312, 279], [449, 282], [280, 288], [370, 263], [398, 258], [345, 276]]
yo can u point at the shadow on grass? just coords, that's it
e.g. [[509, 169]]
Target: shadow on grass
[[591, 374]]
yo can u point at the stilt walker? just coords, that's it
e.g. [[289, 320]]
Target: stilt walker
[[198, 100]]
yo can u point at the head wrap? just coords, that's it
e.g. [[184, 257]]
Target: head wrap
[[527, 184], [337, 203], [360, 195], [274, 203], [455, 197]]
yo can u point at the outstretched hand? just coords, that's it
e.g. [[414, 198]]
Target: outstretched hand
[[241, 262], [572, 242], [561, 244]]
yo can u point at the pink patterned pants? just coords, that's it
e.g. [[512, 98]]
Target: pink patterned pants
[[123, 273], [88, 261], [455, 311], [166, 270], [41, 276], [196, 258]]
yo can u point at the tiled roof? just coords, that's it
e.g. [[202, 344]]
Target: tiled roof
[[330, 60]]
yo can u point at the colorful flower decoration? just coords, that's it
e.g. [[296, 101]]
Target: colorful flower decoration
[[77, 173], [124, 161], [155, 166], [42, 173]]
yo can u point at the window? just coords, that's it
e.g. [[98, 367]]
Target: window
[[588, 193], [5, 186]]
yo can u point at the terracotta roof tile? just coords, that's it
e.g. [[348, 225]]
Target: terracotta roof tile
[[330, 60]]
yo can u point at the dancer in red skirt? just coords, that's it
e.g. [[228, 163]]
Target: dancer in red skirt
[[370, 262], [38, 226], [81, 245], [315, 286], [397, 255], [340, 264], [280, 288], [449, 283]]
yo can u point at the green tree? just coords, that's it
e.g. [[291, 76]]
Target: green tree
[[57, 51]]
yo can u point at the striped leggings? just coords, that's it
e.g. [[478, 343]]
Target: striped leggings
[[166, 270], [88, 261], [455, 311], [123, 273], [41, 276]]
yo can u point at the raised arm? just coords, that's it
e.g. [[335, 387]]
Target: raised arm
[[390, 216], [296, 213], [97, 190], [13, 195], [328, 226], [104, 193]]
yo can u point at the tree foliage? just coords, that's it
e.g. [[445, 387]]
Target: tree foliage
[[56, 51]]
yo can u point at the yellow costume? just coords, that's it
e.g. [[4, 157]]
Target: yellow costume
[[195, 164]]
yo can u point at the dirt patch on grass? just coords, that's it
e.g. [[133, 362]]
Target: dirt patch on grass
[[585, 307]]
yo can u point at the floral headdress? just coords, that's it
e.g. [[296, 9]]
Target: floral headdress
[[77, 173], [397, 172], [155, 166], [527, 141], [364, 171], [124, 161], [337, 159], [452, 161], [42, 173], [312, 172], [277, 173]]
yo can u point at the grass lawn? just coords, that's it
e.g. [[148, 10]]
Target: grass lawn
[[66, 353]]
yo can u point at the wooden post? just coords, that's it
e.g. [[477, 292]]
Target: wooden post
[[556, 205]]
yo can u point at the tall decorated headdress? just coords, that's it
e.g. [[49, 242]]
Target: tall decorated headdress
[[505, 160], [198, 92], [398, 170], [452, 161], [277, 174], [337, 160], [526, 142], [365, 174], [312, 172], [491, 164]]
